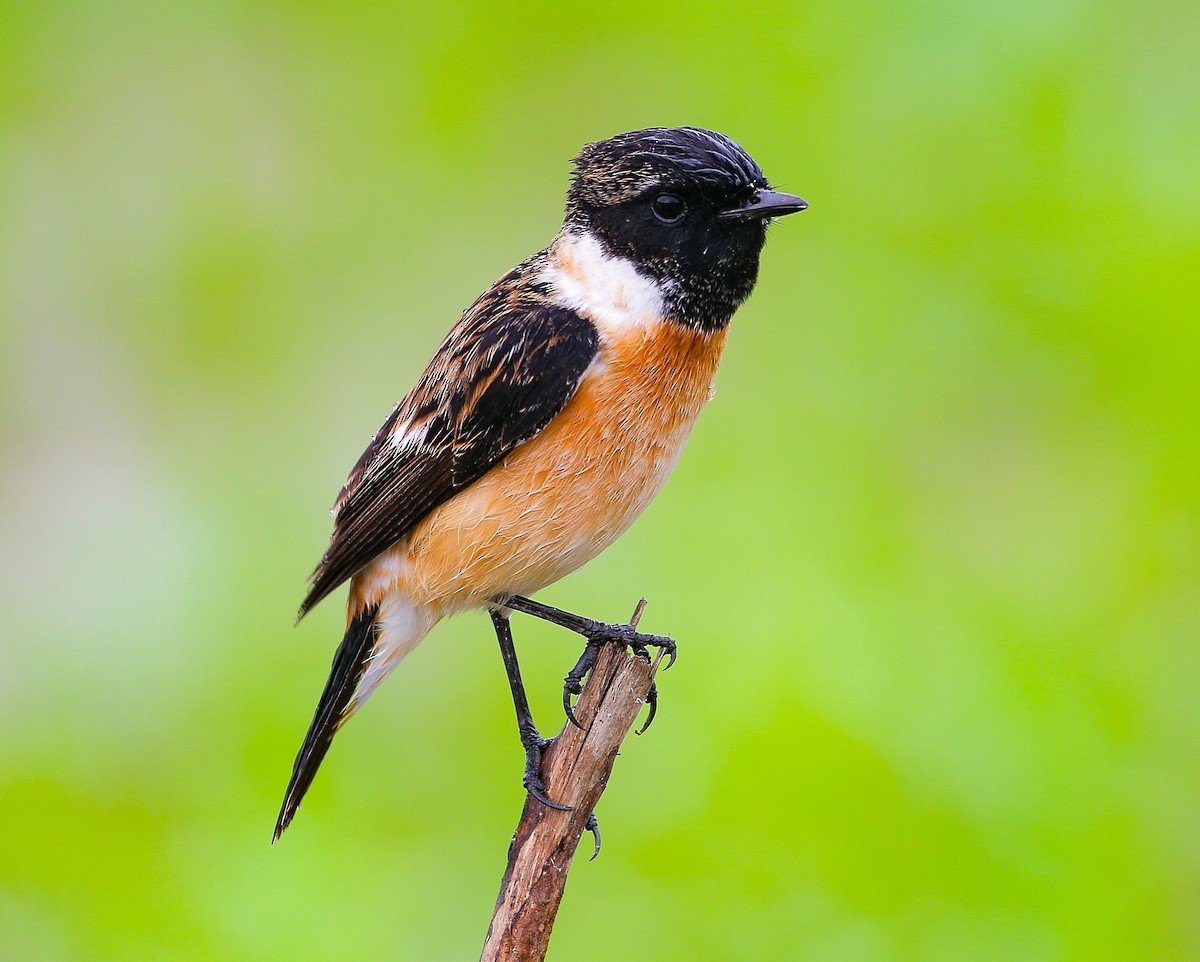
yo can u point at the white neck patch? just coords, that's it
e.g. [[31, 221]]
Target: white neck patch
[[607, 290]]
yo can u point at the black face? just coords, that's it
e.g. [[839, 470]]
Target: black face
[[661, 198]]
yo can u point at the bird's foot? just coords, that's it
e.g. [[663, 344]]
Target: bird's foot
[[627, 636], [573, 683], [535, 745]]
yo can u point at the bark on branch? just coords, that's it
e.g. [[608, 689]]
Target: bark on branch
[[576, 769]]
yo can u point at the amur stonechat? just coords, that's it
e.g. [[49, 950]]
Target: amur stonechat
[[549, 417]]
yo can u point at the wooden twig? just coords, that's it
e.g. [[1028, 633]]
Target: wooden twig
[[575, 769]]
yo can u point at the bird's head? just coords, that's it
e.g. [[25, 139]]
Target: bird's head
[[686, 206]]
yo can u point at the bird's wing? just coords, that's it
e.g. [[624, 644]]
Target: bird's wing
[[504, 371]]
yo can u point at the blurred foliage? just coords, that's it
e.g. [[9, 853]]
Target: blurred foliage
[[932, 555]]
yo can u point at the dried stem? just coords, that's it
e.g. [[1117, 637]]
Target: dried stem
[[576, 769]]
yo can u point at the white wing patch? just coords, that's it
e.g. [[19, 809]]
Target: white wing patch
[[408, 434]]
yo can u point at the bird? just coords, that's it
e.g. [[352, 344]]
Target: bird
[[548, 418]]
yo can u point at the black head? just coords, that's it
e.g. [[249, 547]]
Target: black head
[[687, 206]]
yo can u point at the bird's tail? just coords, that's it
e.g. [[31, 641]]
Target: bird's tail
[[376, 639]]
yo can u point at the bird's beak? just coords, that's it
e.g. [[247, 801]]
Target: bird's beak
[[766, 203]]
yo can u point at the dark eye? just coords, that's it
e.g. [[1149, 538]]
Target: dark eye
[[669, 208]]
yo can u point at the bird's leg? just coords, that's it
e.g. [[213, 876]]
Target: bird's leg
[[531, 739], [597, 633]]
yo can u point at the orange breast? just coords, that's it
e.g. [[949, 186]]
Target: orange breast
[[559, 499]]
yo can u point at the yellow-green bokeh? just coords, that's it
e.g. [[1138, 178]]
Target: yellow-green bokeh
[[932, 555]]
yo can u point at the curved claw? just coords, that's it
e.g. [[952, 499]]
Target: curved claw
[[672, 652], [591, 825], [538, 791], [573, 683], [570, 709], [652, 701]]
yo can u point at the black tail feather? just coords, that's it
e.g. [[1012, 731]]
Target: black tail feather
[[348, 666]]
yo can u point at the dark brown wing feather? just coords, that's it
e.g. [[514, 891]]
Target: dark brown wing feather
[[504, 371]]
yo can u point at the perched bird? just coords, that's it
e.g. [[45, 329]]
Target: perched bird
[[548, 419]]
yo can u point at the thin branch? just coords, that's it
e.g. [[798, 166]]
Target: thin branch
[[576, 769]]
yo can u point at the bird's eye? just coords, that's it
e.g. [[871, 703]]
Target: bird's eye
[[669, 208]]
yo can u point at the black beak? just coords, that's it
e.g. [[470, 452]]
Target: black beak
[[766, 203]]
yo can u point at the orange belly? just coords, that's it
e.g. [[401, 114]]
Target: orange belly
[[561, 498]]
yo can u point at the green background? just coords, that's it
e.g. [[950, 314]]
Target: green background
[[931, 556]]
